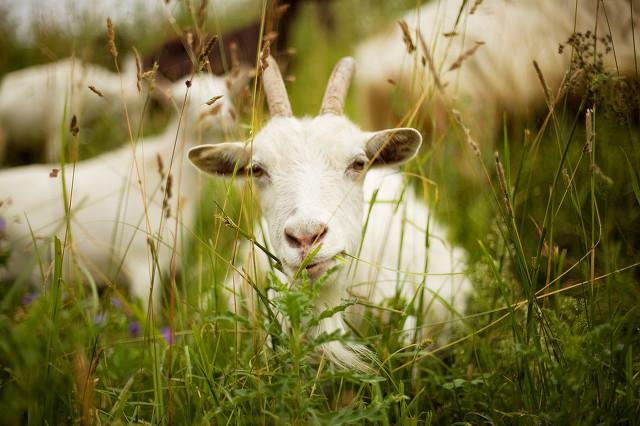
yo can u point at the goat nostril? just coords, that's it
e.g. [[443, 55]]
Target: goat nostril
[[292, 240]]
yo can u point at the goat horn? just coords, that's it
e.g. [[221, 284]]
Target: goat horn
[[273, 84], [337, 87]]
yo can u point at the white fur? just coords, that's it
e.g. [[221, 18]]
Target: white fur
[[109, 225], [308, 181], [33, 101], [499, 76]]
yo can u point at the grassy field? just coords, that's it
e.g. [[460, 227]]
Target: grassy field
[[551, 223]]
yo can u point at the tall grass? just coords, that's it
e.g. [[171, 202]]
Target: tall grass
[[551, 335]]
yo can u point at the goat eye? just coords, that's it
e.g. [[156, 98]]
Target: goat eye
[[256, 171], [358, 165]]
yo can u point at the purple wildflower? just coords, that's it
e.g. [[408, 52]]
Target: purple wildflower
[[167, 334], [116, 302], [3, 225], [134, 329], [29, 298], [100, 319]]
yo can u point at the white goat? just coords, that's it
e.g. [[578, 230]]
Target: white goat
[[119, 200], [310, 173], [32, 102], [499, 76]]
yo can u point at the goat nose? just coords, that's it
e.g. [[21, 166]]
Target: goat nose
[[304, 237]]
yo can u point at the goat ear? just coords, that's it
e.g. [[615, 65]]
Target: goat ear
[[220, 159], [393, 146]]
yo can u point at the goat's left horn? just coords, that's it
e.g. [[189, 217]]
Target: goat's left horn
[[275, 90], [337, 87]]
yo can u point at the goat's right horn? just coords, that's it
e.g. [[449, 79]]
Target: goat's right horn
[[337, 87], [275, 90]]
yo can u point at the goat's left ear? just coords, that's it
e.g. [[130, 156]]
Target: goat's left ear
[[393, 146], [220, 159]]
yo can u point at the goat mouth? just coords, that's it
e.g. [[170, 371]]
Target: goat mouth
[[315, 269]]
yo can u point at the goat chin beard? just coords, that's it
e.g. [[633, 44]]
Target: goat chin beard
[[345, 355]]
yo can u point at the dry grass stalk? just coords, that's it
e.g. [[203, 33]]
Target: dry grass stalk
[[281, 9], [202, 13], [111, 38], [271, 36], [191, 8], [148, 75], [450, 34], [235, 61], [136, 54], [406, 36], [73, 126], [465, 55], [264, 54], [476, 3], [562, 89], [429, 60], [472, 144], [168, 193], [190, 43], [160, 166], [213, 100], [566, 177], [589, 129], [503, 185], [204, 55], [545, 86], [598, 172], [546, 250], [84, 372], [96, 91], [213, 111]]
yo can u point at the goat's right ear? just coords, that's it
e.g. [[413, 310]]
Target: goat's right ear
[[393, 146], [220, 159]]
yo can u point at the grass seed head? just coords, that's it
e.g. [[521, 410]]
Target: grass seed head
[[589, 129], [73, 126], [465, 55], [213, 100], [476, 3], [264, 54], [503, 185], [202, 13], [138, 69], [472, 143], [111, 38], [235, 61], [204, 55], [543, 82], [96, 91], [406, 36], [160, 166]]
